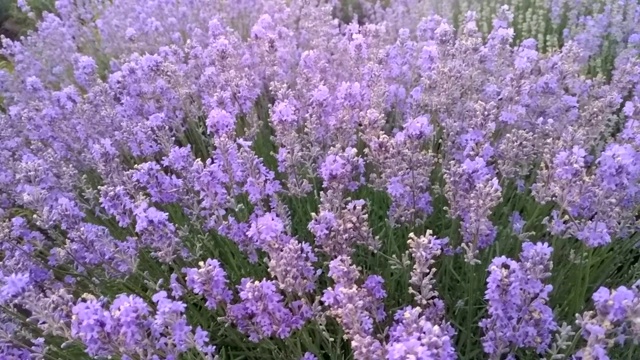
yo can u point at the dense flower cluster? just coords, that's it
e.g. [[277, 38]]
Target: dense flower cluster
[[518, 312], [262, 312], [615, 320], [356, 307], [414, 336], [130, 328], [209, 281], [177, 177]]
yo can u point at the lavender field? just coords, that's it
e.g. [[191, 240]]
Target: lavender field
[[320, 180]]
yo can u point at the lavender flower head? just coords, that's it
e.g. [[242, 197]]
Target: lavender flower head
[[518, 313], [209, 281], [413, 336], [614, 321], [262, 312], [355, 307], [424, 251]]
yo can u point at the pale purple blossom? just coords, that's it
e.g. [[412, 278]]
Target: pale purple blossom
[[208, 281], [518, 312]]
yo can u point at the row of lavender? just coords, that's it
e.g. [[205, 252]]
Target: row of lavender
[[179, 177]]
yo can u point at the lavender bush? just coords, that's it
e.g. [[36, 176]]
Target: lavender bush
[[321, 180]]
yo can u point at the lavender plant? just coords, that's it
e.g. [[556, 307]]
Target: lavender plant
[[321, 180]]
